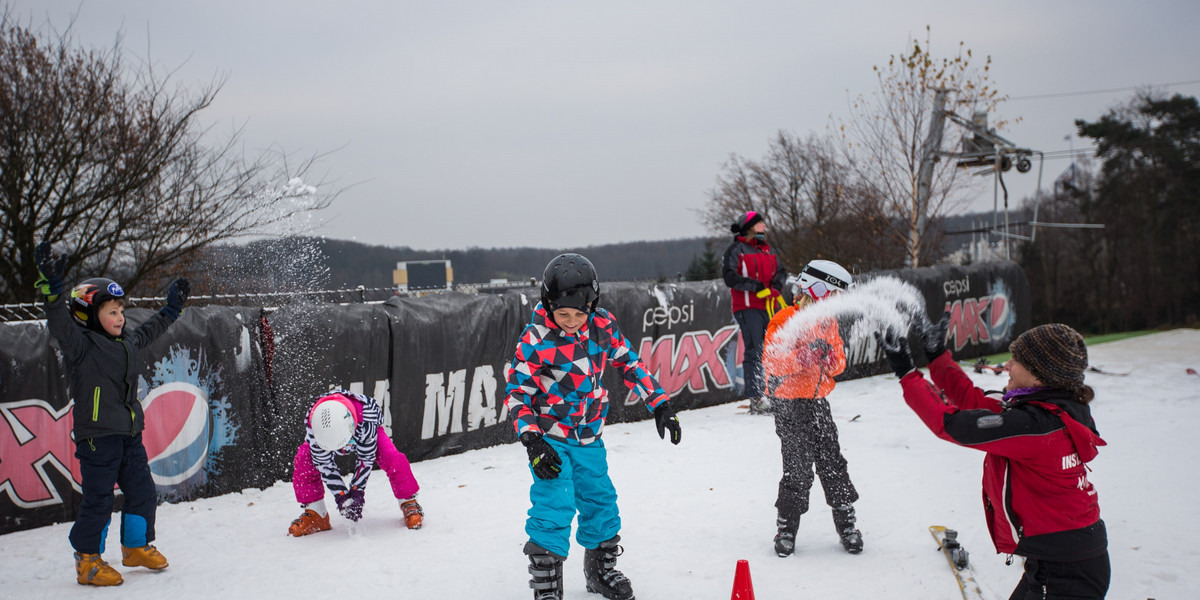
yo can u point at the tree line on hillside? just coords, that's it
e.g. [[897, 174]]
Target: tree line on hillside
[[309, 263]]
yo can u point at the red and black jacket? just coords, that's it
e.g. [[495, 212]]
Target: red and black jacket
[[1038, 500], [749, 266]]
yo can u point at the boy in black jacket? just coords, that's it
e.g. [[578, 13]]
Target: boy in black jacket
[[101, 363]]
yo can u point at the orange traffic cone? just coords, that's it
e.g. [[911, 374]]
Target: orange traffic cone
[[743, 589]]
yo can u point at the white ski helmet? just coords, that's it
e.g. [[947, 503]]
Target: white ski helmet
[[819, 278], [332, 425]]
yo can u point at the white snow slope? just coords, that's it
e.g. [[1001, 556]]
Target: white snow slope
[[691, 511]]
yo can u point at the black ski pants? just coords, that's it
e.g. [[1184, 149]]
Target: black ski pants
[[1064, 580], [103, 462], [753, 324], [808, 438]]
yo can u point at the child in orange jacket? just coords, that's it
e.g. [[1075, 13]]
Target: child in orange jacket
[[800, 374]]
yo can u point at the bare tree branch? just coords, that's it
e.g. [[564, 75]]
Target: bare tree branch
[[111, 165], [883, 140]]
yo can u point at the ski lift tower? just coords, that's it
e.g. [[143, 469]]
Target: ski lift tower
[[996, 155]]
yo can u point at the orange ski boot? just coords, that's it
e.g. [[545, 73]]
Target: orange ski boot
[[147, 556], [90, 569], [310, 521], [414, 517]]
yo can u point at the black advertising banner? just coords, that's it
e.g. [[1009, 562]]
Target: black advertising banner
[[226, 389], [39, 475], [206, 401], [450, 353], [685, 335]]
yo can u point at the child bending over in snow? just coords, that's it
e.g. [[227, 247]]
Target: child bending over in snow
[[800, 375], [558, 407], [101, 360], [1038, 437], [342, 422]]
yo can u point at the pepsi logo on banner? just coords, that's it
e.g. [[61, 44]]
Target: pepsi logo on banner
[[178, 431]]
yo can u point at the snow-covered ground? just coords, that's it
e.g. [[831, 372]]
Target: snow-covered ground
[[691, 511]]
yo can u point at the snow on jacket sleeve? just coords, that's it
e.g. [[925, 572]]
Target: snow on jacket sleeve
[[524, 382], [803, 367], [622, 356]]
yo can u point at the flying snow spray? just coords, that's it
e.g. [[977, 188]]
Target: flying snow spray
[[878, 305]]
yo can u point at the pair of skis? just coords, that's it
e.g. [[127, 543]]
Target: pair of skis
[[958, 558]]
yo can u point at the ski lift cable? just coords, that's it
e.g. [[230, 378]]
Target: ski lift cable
[[1105, 91]]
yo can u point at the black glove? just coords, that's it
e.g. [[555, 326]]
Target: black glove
[[542, 456], [664, 419], [933, 337], [895, 347], [50, 271], [176, 296], [350, 503]]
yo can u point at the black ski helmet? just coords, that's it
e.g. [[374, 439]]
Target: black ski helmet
[[88, 296], [569, 281]]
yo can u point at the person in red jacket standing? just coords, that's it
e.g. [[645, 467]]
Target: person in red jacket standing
[[1038, 436], [755, 278]]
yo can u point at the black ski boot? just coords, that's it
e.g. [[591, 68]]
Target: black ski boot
[[546, 569], [843, 522], [601, 577], [785, 540]]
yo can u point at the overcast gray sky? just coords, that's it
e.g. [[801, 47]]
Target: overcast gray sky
[[554, 123]]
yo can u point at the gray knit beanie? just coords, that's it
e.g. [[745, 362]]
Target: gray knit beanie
[[1054, 353]]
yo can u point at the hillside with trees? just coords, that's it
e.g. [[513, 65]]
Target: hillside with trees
[[308, 263]]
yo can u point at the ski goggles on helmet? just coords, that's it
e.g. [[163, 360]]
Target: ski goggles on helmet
[[818, 290]]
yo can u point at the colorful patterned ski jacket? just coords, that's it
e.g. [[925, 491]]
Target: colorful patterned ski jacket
[[1036, 495], [369, 418], [554, 379], [749, 266], [805, 367]]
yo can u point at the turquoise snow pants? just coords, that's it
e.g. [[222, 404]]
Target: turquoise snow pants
[[583, 486]]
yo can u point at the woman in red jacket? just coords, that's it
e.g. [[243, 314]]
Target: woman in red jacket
[[755, 278], [1038, 437]]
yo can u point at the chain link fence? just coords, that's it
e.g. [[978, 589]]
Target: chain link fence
[[10, 313]]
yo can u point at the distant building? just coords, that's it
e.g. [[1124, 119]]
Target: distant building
[[417, 275]]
